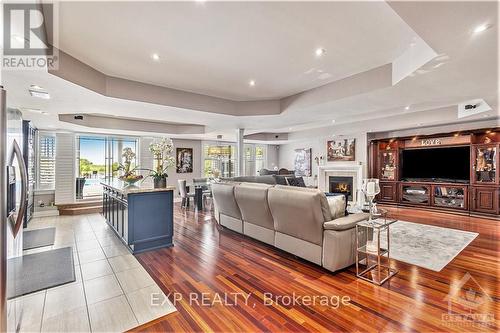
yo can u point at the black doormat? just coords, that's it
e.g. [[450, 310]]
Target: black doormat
[[38, 238], [38, 271]]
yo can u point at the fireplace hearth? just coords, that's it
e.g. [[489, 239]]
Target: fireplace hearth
[[341, 185]]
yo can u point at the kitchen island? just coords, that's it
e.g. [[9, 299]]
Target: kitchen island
[[142, 216]]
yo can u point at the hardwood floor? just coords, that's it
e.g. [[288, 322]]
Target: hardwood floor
[[207, 259]]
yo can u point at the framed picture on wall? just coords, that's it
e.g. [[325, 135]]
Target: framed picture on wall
[[341, 150], [302, 162], [184, 160]]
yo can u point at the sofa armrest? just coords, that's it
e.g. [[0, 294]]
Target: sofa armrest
[[345, 222]]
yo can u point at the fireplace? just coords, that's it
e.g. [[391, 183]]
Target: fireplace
[[342, 170], [342, 185]]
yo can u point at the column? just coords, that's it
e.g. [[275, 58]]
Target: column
[[240, 151]]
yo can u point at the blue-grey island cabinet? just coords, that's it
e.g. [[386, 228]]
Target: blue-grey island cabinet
[[142, 216]]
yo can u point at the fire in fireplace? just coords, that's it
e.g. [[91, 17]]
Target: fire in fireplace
[[341, 185]]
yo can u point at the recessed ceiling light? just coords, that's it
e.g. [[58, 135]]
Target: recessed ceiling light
[[155, 57], [481, 28], [290, 128], [251, 83], [333, 121], [407, 107], [320, 52], [39, 94]]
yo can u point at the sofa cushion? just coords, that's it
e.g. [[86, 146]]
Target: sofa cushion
[[224, 197], [297, 212], [325, 208], [267, 179], [337, 206], [346, 222], [252, 201]]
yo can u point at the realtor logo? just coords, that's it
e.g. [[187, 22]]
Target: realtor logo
[[469, 305], [28, 35]]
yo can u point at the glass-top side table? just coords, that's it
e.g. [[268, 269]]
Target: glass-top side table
[[369, 252]]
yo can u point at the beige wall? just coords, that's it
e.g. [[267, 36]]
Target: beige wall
[[173, 176], [318, 145], [272, 156]]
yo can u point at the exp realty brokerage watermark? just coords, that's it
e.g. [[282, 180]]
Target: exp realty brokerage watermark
[[208, 299]]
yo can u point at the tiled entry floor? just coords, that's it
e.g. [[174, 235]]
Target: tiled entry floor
[[112, 292]]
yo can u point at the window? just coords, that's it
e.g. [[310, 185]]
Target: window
[[219, 160], [260, 158], [46, 161], [255, 159]]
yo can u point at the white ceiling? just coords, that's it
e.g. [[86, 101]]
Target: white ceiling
[[466, 69], [215, 48]]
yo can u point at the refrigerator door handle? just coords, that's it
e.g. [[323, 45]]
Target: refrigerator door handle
[[16, 218]]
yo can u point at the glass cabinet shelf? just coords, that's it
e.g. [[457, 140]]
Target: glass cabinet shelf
[[485, 164], [416, 194], [387, 165], [450, 196]]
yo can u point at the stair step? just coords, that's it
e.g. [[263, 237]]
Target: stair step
[[81, 210], [80, 204]]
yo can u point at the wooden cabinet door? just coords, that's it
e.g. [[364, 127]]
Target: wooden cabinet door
[[485, 200], [388, 192]]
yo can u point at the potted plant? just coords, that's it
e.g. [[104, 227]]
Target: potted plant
[[129, 175], [162, 153]]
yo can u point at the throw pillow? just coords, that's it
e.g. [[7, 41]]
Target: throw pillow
[[337, 205], [295, 181], [300, 182], [280, 180]]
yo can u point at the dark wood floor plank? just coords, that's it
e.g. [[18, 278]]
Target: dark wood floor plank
[[212, 260]]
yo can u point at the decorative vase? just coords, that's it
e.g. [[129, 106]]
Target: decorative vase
[[160, 182], [370, 188]]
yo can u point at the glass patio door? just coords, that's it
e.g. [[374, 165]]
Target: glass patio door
[[98, 159], [91, 166]]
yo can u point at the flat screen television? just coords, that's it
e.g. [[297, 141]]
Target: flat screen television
[[437, 164]]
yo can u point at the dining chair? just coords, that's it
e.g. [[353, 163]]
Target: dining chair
[[185, 195]]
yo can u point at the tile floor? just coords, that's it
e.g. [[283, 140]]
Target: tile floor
[[112, 291]]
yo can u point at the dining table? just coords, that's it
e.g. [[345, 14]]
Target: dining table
[[200, 187]]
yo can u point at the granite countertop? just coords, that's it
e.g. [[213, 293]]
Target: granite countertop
[[139, 187]]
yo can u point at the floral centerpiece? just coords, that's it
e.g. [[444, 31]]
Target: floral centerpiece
[[162, 152], [129, 176]]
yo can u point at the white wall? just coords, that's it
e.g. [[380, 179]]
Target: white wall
[[318, 145], [272, 159], [146, 160]]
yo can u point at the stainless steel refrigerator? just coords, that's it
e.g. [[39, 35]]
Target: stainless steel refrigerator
[[13, 202]]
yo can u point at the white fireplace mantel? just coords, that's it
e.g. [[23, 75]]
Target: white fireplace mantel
[[341, 170]]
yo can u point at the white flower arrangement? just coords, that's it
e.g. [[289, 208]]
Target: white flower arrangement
[[128, 172], [162, 150]]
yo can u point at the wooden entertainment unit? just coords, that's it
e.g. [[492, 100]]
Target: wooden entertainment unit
[[480, 195]]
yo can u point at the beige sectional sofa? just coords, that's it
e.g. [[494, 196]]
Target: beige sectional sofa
[[297, 220]]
